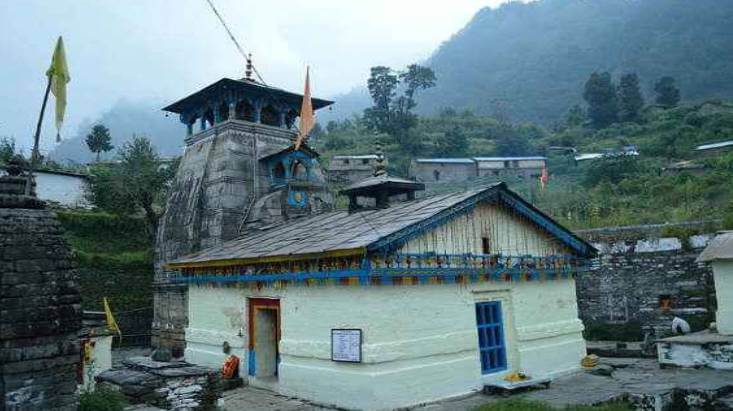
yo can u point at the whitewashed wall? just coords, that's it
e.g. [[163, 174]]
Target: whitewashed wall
[[420, 341], [66, 190], [723, 275]]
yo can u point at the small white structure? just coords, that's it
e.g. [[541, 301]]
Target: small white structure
[[62, 187], [393, 306], [712, 348], [719, 253]]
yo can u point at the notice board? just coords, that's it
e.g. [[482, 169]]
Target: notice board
[[346, 344]]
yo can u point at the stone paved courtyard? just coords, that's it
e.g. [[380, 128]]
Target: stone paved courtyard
[[640, 379]]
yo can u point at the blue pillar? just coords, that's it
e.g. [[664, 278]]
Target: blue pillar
[[232, 110], [203, 122], [189, 129], [281, 118], [218, 117], [257, 108]]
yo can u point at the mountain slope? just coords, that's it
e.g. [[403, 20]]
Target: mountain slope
[[530, 60], [123, 120]]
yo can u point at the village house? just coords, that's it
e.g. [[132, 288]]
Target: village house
[[59, 187], [440, 170], [391, 303], [350, 169]]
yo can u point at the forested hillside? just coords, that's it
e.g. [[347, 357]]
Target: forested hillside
[[528, 61]]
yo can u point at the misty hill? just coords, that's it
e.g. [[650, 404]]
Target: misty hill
[[124, 119], [530, 61]]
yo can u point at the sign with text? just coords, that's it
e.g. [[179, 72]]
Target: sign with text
[[346, 345]]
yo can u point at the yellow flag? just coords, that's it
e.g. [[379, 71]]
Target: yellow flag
[[307, 118], [58, 75], [111, 323]]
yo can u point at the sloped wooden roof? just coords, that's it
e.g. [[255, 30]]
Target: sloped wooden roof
[[344, 233]]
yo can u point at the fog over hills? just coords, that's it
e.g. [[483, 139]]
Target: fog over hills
[[531, 60], [125, 119]]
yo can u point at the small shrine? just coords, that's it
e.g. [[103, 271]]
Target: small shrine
[[395, 302]]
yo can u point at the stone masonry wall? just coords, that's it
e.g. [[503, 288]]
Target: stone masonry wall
[[40, 313], [219, 183], [642, 279]]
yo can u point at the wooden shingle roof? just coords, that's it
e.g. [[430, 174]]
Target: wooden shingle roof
[[343, 233]]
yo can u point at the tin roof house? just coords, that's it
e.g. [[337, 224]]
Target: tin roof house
[[391, 303]]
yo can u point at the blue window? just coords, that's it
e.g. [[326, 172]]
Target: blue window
[[491, 337]]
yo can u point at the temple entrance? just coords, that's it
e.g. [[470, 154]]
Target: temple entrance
[[264, 332]]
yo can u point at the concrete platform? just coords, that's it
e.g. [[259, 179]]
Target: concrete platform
[[700, 349], [640, 381]]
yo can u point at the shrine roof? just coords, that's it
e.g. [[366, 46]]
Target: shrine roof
[[720, 248], [244, 86], [352, 233]]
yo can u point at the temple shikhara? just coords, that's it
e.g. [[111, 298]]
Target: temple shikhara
[[397, 300]]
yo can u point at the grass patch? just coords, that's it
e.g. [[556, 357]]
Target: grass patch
[[102, 399], [524, 405]]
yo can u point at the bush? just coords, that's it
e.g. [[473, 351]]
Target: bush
[[102, 399]]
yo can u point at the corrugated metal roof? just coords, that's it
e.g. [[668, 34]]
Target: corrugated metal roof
[[358, 157], [720, 248], [445, 160], [711, 146], [509, 158]]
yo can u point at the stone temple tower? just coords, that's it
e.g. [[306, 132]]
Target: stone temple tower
[[239, 171]]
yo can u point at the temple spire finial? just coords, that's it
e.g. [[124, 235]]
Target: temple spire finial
[[248, 71], [379, 167]]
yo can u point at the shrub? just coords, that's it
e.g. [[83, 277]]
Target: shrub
[[102, 399]]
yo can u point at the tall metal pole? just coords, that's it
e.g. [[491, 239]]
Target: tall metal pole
[[35, 155]]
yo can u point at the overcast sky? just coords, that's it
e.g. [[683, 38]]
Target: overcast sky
[[164, 50]]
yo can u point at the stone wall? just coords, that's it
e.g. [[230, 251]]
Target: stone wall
[[40, 310], [221, 187], [644, 277]]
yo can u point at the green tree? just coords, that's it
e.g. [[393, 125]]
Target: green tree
[[600, 94], [509, 142], [392, 113], [575, 116], [630, 100], [7, 149], [452, 143], [99, 140], [136, 184], [668, 95]]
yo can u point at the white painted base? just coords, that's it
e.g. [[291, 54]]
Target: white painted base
[[420, 342]]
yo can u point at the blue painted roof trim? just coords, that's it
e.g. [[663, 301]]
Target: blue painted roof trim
[[498, 192]]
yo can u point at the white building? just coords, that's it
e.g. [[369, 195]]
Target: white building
[[719, 253], [61, 187], [392, 306]]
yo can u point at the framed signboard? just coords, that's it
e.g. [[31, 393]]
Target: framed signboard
[[346, 344]]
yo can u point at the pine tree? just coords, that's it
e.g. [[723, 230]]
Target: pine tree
[[99, 140], [600, 94], [668, 95], [630, 100]]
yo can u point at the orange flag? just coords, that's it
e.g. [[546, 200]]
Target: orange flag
[[307, 118]]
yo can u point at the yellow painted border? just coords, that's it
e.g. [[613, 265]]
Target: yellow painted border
[[266, 259]]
